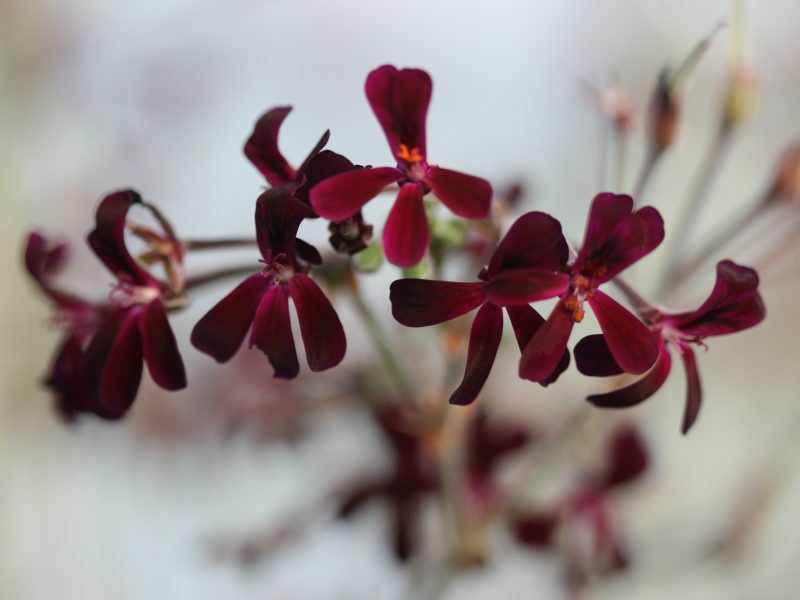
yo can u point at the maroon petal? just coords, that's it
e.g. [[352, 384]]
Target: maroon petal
[[323, 334], [65, 379], [272, 332], [340, 197], [423, 302], [262, 147], [307, 252], [221, 331], [484, 340], [107, 239], [160, 348], [534, 240], [467, 196], [593, 357], [639, 391], [122, 371], [537, 530], [526, 322], [278, 216], [633, 345], [734, 304], [694, 390], [42, 261], [322, 166], [406, 233], [400, 99], [522, 286], [628, 458], [545, 350]]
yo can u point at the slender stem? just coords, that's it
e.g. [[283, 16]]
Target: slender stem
[[621, 140], [214, 276], [648, 165], [634, 297], [220, 243]]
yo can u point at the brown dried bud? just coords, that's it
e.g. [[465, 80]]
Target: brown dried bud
[[664, 113], [786, 182], [351, 235]]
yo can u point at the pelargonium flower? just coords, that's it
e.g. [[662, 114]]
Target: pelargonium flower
[[582, 524], [525, 267], [79, 319], [616, 237], [733, 305], [262, 150], [399, 99], [136, 329], [262, 300]]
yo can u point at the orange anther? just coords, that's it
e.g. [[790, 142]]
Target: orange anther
[[412, 155]]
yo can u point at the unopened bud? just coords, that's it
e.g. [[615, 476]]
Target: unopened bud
[[664, 113]]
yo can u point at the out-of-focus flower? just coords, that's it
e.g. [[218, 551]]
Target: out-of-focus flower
[[582, 524], [733, 305], [525, 267], [262, 300], [399, 99], [616, 237], [350, 236]]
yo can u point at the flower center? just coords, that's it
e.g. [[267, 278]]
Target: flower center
[[276, 267], [581, 288], [125, 294], [410, 155]]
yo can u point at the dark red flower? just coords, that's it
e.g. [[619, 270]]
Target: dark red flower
[[399, 99], [262, 300], [524, 268], [262, 150], [733, 305], [616, 237]]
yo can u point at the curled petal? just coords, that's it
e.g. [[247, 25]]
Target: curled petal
[[278, 217], [484, 340], [526, 322], [107, 239], [545, 350], [593, 357], [340, 197], [733, 305], [322, 331], [262, 147], [522, 286], [534, 240], [406, 233], [221, 331], [42, 261], [467, 196], [160, 348], [122, 371], [640, 390], [322, 166], [634, 347], [400, 99], [423, 302], [694, 390], [272, 332]]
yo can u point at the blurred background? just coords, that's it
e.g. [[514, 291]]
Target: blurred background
[[95, 96]]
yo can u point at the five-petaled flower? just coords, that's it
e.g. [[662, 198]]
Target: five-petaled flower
[[262, 300], [616, 237], [399, 99], [525, 267], [733, 305]]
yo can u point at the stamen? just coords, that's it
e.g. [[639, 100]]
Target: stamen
[[575, 306], [412, 155]]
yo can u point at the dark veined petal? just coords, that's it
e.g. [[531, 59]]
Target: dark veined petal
[[322, 331], [537, 529], [400, 99], [65, 379], [406, 232], [525, 321], [340, 197], [278, 217], [534, 240], [633, 345], [322, 166], [593, 357], [484, 340], [122, 371], [694, 390], [262, 147], [423, 302], [522, 286], [160, 348], [107, 239], [545, 350], [616, 237], [272, 332], [640, 390], [467, 196], [733, 305], [307, 252], [628, 457], [221, 331], [92, 366]]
